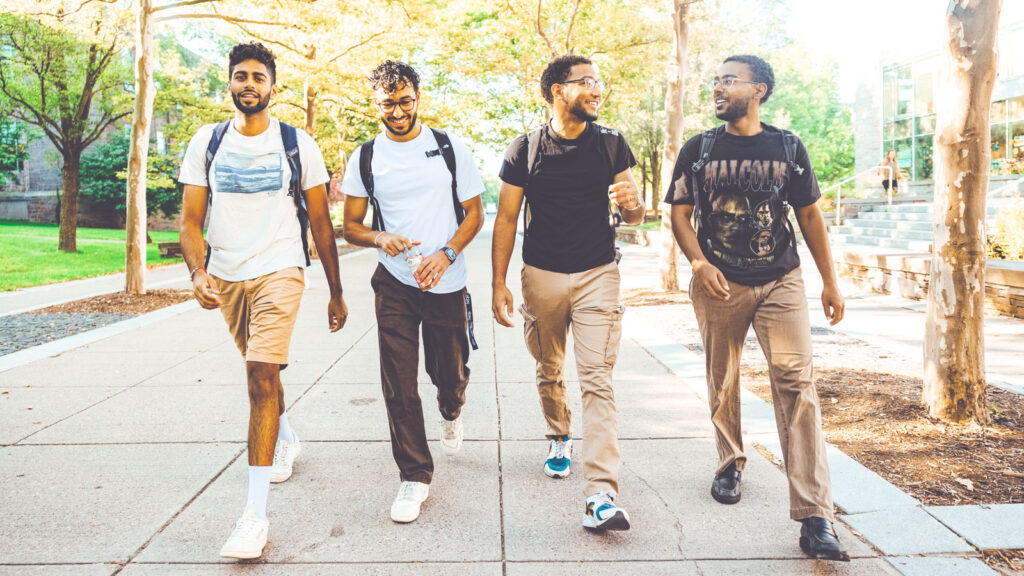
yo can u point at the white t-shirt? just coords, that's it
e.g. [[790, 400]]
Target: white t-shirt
[[254, 227], [413, 186]]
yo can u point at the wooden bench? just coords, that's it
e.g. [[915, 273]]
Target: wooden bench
[[169, 249]]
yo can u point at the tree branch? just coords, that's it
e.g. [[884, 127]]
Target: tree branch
[[231, 19], [572, 22], [61, 14], [540, 29], [627, 47], [268, 40], [354, 46], [181, 4], [101, 127]]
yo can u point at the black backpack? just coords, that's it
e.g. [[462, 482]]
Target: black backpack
[[291, 149], [444, 144], [366, 175], [707, 143]]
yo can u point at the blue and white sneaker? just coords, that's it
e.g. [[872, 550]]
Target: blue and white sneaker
[[602, 514], [559, 457]]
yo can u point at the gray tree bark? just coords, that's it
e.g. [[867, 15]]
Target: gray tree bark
[[138, 156], [954, 367]]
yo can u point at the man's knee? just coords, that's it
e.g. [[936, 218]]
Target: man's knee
[[264, 382], [791, 371]]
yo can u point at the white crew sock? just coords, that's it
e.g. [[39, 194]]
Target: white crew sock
[[284, 430], [259, 489]]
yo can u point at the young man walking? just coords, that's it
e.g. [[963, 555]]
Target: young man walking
[[263, 182], [567, 171], [740, 179], [425, 191]]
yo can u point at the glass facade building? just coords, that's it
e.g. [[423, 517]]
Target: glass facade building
[[908, 110]]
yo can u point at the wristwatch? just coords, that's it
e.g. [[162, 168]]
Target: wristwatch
[[450, 254]]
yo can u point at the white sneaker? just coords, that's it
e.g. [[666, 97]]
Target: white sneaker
[[559, 458], [451, 435], [602, 514], [406, 507], [285, 454], [249, 537]]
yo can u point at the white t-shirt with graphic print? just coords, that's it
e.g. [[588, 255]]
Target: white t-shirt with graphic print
[[254, 228], [413, 186]]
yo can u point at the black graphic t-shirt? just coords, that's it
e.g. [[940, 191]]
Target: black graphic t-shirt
[[568, 196], [741, 189]]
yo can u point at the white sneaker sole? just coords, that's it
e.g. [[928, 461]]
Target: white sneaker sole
[[619, 521], [449, 450], [407, 517], [243, 553]]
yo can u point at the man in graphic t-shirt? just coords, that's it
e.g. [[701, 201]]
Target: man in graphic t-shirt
[[740, 179], [256, 260], [568, 170], [421, 276]]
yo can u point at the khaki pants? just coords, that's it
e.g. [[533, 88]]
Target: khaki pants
[[402, 311], [778, 312], [261, 313], [589, 303]]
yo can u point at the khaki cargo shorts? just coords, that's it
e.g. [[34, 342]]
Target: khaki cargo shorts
[[261, 313]]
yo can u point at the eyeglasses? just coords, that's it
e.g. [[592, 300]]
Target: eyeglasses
[[388, 106], [727, 82], [728, 218], [587, 82]]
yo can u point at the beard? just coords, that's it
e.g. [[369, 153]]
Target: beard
[[408, 127], [261, 103], [734, 110], [580, 111]]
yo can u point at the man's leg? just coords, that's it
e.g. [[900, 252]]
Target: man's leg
[[446, 349], [784, 331], [264, 382], [546, 314], [398, 324], [723, 329]]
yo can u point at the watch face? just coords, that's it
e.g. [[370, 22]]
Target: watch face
[[450, 254]]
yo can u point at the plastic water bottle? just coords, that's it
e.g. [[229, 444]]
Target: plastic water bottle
[[413, 259]]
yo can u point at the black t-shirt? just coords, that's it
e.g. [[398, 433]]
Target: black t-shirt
[[567, 196], [742, 229]]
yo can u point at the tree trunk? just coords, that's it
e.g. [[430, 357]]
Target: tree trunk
[[138, 154], [673, 139], [954, 371], [311, 94], [643, 180], [655, 178], [69, 201]]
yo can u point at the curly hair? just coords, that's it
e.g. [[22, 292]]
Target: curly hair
[[557, 71], [252, 51], [391, 75], [760, 71]]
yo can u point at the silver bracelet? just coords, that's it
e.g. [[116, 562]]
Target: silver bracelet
[[379, 234]]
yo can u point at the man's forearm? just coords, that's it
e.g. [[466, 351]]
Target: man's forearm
[[686, 236], [812, 224], [193, 246], [467, 231], [502, 244], [327, 250]]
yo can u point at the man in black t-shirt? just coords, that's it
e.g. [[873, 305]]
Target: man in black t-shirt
[[740, 180], [568, 170]]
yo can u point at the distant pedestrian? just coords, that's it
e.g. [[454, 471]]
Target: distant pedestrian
[[740, 179], [263, 183], [568, 171], [889, 170], [425, 191]]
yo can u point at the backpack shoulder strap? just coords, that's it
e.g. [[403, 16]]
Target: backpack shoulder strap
[[533, 138], [789, 144], [608, 135], [448, 153], [290, 139], [211, 150], [707, 143], [366, 175]]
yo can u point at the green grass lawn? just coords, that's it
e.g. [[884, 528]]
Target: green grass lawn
[[29, 255]]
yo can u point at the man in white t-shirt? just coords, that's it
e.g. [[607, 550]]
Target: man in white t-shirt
[[254, 187], [418, 201]]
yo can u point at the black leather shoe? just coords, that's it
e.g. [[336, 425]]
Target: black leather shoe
[[726, 487], [819, 540]]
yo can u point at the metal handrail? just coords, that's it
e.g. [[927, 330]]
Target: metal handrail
[[839, 188]]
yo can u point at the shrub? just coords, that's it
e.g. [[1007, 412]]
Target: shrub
[[1006, 236], [104, 176]]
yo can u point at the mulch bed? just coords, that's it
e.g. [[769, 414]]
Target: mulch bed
[[120, 303]]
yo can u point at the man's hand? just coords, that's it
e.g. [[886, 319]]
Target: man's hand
[[337, 313], [711, 280], [202, 287], [833, 304], [393, 244], [501, 305], [431, 270], [624, 194]]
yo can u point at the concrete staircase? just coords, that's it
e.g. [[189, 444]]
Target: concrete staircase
[[899, 227]]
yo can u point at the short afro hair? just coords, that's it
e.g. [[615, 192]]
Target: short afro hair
[[760, 71], [391, 75], [557, 71], [252, 51]]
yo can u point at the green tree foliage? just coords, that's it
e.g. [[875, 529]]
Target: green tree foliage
[[104, 179], [13, 151]]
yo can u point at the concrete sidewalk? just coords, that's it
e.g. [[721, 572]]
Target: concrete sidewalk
[[126, 456]]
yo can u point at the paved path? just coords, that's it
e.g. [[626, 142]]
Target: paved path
[[126, 456]]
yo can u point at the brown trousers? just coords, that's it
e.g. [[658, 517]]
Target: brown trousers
[[588, 302], [778, 312], [401, 310]]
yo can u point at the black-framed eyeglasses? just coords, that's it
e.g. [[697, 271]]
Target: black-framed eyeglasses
[[728, 82], [388, 106], [587, 82]]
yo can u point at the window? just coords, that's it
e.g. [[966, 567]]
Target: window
[[923, 166], [889, 94], [924, 88], [12, 147], [997, 113], [903, 129], [924, 125], [905, 156], [904, 91], [1015, 108]]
